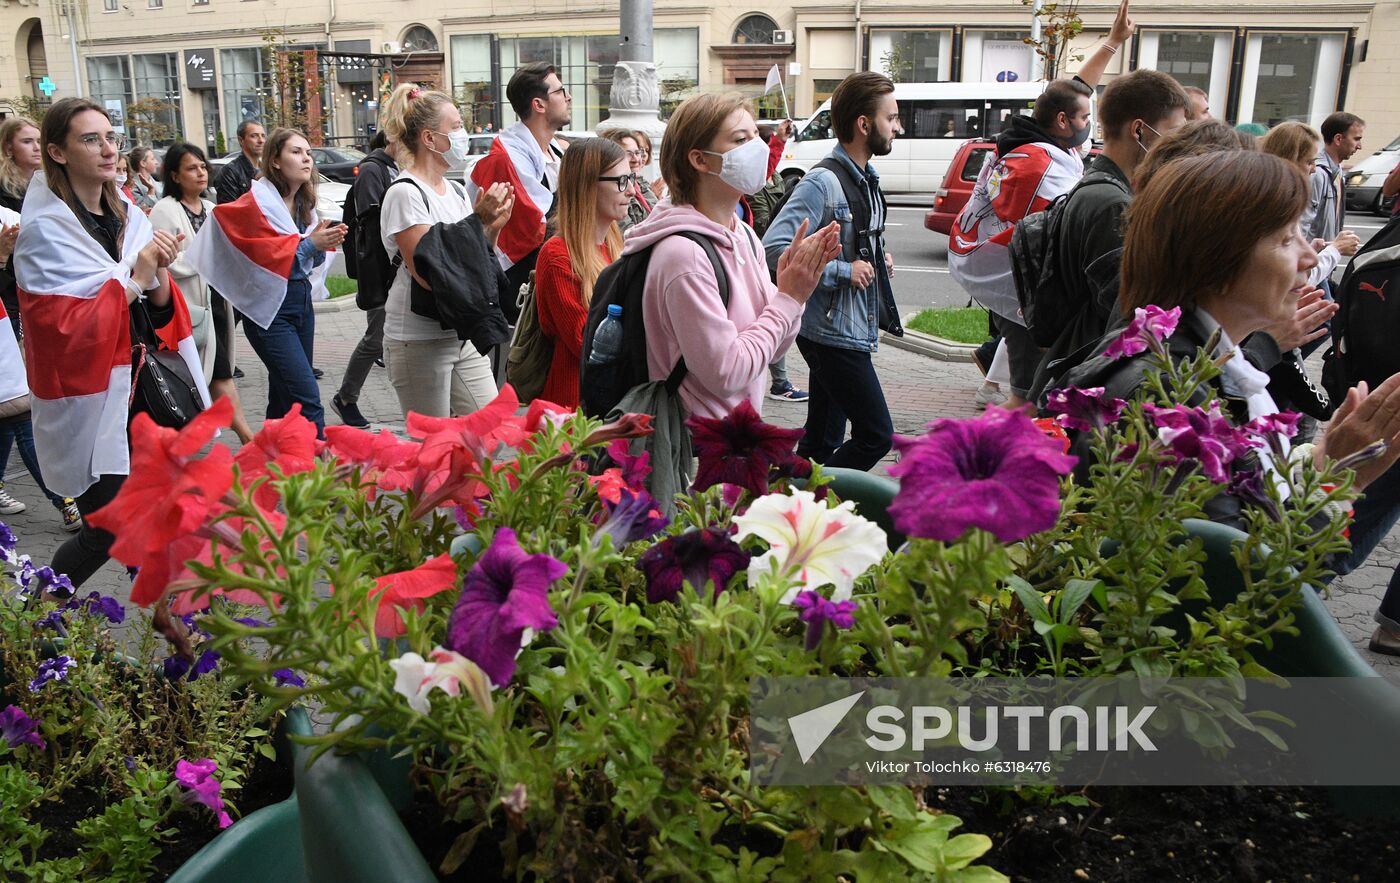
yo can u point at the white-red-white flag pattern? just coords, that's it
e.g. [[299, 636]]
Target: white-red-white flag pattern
[[77, 339], [247, 253]]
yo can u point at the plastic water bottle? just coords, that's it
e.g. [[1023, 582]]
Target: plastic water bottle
[[607, 340]]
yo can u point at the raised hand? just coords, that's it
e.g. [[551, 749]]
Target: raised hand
[[800, 266]]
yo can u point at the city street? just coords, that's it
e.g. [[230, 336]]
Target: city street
[[921, 258]]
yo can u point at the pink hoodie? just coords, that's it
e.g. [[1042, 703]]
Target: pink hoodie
[[726, 352]]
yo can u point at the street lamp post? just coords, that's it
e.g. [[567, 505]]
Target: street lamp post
[[73, 45], [632, 102]]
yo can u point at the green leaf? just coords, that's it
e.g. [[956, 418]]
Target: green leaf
[[963, 849], [1030, 599], [1076, 592], [896, 800], [266, 749]]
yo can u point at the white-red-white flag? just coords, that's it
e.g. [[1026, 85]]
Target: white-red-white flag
[[247, 253], [77, 339]]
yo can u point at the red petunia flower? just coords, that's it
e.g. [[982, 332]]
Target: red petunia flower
[[169, 492], [407, 589], [288, 442]]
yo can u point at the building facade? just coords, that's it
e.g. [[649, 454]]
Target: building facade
[[194, 68]]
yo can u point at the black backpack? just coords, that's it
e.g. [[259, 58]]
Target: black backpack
[[622, 282], [366, 261], [1048, 305], [1363, 330]]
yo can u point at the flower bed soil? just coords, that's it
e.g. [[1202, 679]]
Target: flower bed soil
[[1129, 835], [270, 782], [1249, 835]]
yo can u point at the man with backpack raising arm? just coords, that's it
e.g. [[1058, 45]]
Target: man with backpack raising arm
[[367, 262], [841, 323], [1037, 159], [1136, 110]]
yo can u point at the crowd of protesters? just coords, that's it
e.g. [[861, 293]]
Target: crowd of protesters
[[1177, 210]]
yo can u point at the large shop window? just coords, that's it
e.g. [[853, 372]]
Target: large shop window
[[997, 57], [1194, 58], [585, 63], [149, 82], [912, 56], [247, 87], [1290, 76]]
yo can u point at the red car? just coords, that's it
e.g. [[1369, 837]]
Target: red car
[[958, 183]]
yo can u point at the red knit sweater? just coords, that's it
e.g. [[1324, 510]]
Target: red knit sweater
[[562, 315]]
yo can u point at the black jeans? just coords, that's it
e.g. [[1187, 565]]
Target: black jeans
[[89, 548], [370, 347], [844, 386]]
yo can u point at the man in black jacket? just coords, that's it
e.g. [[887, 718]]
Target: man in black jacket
[[1135, 111], [376, 172], [237, 177]]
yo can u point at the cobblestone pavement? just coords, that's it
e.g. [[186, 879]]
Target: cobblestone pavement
[[917, 388]]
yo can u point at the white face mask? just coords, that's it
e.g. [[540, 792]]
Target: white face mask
[[745, 168], [459, 143], [121, 179]]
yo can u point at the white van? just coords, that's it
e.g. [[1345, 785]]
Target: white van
[[937, 118], [1364, 180]]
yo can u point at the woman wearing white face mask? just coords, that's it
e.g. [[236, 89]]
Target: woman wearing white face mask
[[433, 372], [711, 157]]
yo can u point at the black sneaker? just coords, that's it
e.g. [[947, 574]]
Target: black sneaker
[[349, 413], [317, 373], [237, 373]]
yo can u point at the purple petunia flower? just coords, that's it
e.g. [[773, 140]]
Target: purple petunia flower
[[52, 620], [1084, 409], [505, 599], [49, 671], [1149, 327], [18, 728], [740, 449], [635, 516], [1206, 437], [96, 604], [24, 574], [818, 610], [130, 763], [696, 557], [997, 472], [285, 677], [634, 469], [56, 583], [200, 787], [1247, 485], [1284, 423], [175, 667], [251, 623], [8, 542]]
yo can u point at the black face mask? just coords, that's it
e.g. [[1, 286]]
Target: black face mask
[[1074, 141]]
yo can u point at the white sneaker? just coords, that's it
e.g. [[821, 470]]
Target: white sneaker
[[988, 394], [9, 505]]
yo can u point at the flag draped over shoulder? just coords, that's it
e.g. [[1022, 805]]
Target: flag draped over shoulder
[[515, 158], [12, 382], [78, 339], [247, 254]]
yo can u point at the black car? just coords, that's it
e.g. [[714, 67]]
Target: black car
[[337, 163]]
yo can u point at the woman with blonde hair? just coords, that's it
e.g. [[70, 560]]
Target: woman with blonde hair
[[595, 187], [20, 158], [433, 372], [1299, 144]]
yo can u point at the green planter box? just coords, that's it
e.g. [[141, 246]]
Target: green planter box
[[264, 845], [341, 798]]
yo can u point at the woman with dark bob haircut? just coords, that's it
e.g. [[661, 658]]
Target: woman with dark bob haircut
[[1218, 236]]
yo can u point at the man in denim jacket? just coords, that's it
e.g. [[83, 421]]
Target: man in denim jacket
[[854, 299]]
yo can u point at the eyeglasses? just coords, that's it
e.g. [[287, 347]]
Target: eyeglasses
[[633, 154], [624, 182], [561, 89], [93, 141]]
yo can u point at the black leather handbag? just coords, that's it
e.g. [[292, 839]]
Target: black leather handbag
[[161, 383]]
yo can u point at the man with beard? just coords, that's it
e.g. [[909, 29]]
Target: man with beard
[[853, 300], [1038, 158]]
